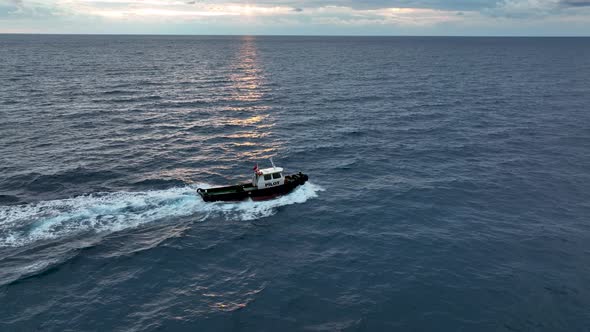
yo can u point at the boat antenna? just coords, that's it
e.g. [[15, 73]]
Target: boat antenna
[[272, 163]]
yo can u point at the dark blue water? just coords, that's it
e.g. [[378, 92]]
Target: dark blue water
[[449, 183]]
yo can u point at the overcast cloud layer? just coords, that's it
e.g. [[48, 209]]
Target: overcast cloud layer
[[319, 17]]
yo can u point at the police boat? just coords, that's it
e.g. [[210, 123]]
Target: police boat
[[266, 183]]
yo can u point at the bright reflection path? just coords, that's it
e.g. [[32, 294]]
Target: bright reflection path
[[254, 138]]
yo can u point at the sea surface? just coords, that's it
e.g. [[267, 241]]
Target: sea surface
[[449, 183]]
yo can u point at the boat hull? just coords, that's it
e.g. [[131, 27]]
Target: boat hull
[[247, 191]]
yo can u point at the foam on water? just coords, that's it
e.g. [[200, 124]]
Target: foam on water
[[111, 212]]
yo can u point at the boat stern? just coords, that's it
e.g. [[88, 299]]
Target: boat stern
[[203, 192]]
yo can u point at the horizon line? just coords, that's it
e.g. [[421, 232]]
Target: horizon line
[[288, 35]]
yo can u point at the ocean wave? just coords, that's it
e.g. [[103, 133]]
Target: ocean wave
[[21, 225]]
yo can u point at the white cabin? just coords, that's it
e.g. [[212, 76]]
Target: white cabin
[[268, 177]]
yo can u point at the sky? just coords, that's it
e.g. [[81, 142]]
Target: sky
[[304, 17]]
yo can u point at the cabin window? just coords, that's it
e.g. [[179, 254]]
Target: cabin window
[[276, 175], [267, 177]]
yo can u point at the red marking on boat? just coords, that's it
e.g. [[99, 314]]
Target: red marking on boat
[[265, 198]]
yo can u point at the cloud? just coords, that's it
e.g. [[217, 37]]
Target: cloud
[[518, 9], [385, 16], [29, 9], [537, 9], [381, 4], [12, 3], [575, 3]]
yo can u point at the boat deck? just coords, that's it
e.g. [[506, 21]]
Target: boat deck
[[230, 189]]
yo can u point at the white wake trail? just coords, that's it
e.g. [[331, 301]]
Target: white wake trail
[[21, 225]]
